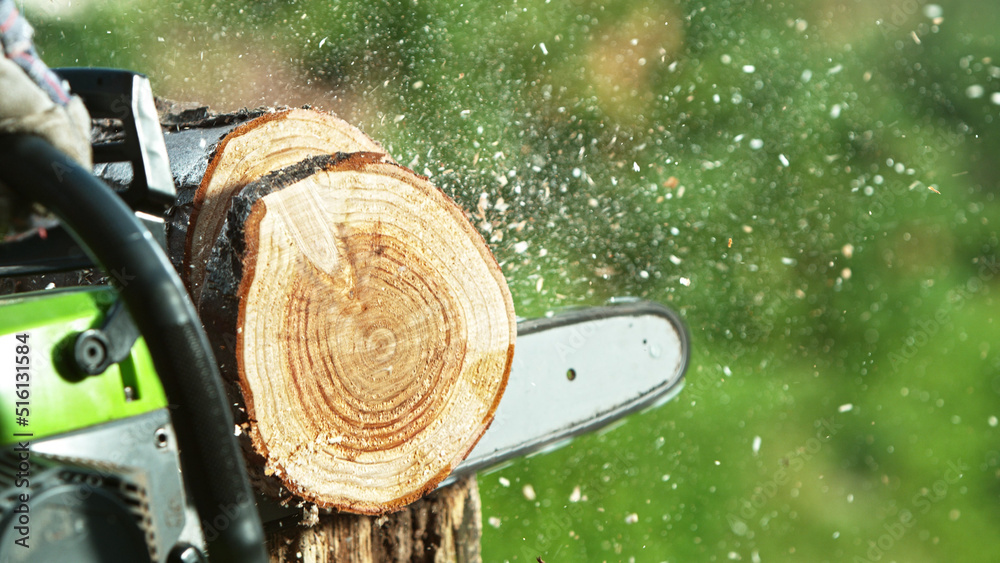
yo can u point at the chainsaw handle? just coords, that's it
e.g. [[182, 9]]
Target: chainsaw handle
[[109, 231]]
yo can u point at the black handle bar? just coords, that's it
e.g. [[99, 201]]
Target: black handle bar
[[109, 231]]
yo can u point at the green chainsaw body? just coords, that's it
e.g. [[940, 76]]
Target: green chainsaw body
[[58, 398], [116, 438]]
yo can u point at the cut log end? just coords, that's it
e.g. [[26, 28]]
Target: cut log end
[[379, 328]]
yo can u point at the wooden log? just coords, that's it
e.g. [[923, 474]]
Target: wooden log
[[368, 404], [422, 332]]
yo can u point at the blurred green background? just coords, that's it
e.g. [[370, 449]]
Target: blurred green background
[[810, 184]]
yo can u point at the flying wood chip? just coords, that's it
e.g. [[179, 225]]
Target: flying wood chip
[[376, 330]]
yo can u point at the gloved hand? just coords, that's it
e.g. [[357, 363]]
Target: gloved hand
[[32, 98]]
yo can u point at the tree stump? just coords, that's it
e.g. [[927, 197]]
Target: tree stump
[[444, 526], [364, 326]]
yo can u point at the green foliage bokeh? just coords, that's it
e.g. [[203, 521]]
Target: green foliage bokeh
[[810, 184]]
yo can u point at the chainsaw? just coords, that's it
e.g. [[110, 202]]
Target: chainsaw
[[116, 436]]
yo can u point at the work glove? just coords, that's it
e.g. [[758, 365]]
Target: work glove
[[33, 100]]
